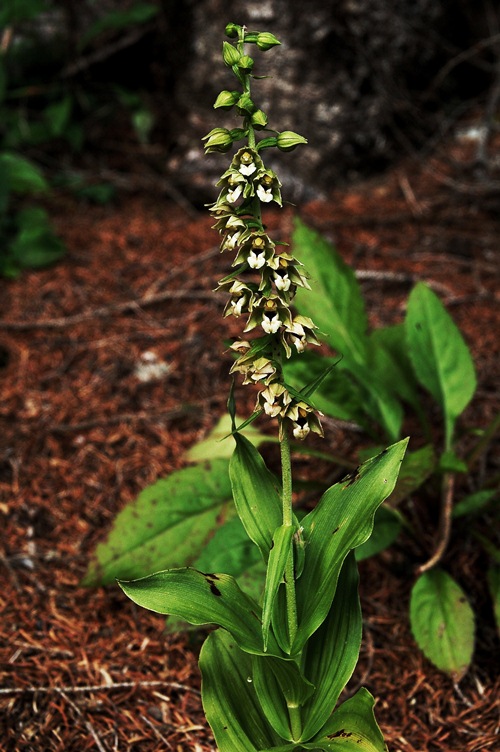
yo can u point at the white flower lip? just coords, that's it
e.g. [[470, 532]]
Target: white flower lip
[[234, 194], [248, 169], [265, 195], [271, 325], [256, 261]]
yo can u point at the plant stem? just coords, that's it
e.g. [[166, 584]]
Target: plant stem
[[286, 474]]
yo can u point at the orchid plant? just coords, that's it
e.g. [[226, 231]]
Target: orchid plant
[[274, 669]]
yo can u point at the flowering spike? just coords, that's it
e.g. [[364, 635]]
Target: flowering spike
[[264, 282]]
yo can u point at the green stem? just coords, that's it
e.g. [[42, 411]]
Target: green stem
[[286, 474]]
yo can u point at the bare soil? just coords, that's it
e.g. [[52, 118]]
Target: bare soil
[[81, 435]]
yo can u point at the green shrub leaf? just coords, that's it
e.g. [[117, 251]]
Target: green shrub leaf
[[22, 175], [337, 305], [166, 526], [442, 622], [35, 245], [441, 359]]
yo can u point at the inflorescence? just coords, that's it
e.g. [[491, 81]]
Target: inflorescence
[[265, 277]]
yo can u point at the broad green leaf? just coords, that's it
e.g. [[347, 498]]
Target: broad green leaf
[[386, 528], [57, 115], [201, 598], [166, 526], [337, 306], [231, 706], [449, 462], [351, 728], [342, 520], [331, 653], [20, 10], [442, 622], [474, 503], [278, 557], [255, 496], [281, 689], [379, 401], [23, 175], [494, 586], [35, 245], [441, 359], [390, 361], [417, 466], [218, 443]]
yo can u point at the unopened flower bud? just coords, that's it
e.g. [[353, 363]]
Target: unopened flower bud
[[288, 140], [219, 139], [226, 99], [232, 30], [230, 54], [266, 40]]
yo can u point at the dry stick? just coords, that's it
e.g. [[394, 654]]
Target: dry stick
[[83, 63], [88, 724], [156, 732], [95, 688], [128, 305], [104, 311], [444, 529], [124, 417]]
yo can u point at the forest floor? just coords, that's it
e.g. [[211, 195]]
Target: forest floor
[[81, 435]]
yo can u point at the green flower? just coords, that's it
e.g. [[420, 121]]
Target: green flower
[[247, 161], [304, 419]]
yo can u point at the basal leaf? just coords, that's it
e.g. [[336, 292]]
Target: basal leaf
[[351, 728], [166, 526], [342, 521], [441, 359], [201, 598], [231, 707], [442, 622], [255, 496], [331, 653], [337, 306]]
